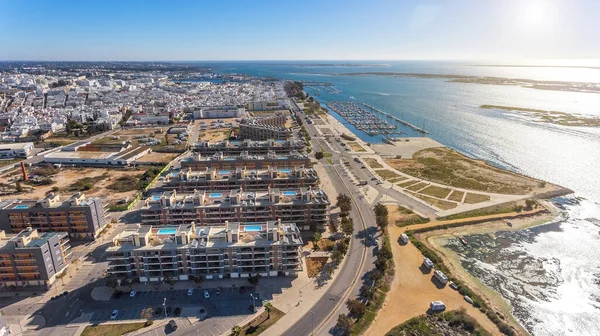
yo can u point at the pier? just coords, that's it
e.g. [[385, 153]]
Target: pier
[[418, 129]]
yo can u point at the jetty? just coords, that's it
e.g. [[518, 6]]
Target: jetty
[[363, 118]]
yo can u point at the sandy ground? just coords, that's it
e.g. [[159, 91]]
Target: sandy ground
[[214, 135], [68, 176], [406, 148], [158, 157], [412, 291]]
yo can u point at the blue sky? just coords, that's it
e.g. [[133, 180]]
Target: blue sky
[[297, 30]]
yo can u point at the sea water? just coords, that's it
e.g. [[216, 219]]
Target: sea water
[[550, 274]]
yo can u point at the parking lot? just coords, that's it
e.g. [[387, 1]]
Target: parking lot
[[230, 302]]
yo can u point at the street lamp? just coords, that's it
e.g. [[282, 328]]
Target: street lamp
[[253, 303], [165, 306]]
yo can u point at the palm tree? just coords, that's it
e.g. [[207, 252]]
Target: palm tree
[[268, 308], [236, 330]]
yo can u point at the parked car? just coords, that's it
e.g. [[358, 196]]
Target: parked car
[[190, 292], [206, 294], [218, 292], [453, 285], [242, 289], [468, 299], [168, 311], [132, 293], [177, 311], [437, 306], [114, 314], [173, 325], [157, 311]]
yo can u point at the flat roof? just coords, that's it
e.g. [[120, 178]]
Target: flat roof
[[16, 145], [80, 155]]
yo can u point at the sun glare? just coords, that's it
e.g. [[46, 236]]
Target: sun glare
[[533, 12]]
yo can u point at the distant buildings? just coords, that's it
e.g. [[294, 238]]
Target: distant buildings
[[235, 250], [16, 150], [220, 112], [33, 259], [302, 206], [245, 160], [187, 180], [79, 217]]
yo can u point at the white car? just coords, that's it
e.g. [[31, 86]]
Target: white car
[[206, 294], [114, 314], [132, 293], [190, 292]]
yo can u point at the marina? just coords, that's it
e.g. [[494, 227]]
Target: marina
[[370, 120]]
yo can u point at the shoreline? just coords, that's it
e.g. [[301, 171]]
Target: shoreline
[[436, 239]]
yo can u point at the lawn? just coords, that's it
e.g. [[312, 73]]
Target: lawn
[[314, 265], [356, 147], [493, 210], [407, 183], [417, 186], [326, 244], [402, 216], [476, 198], [112, 329], [436, 191], [262, 322], [444, 205], [398, 179], [373, 163], [387, 174], [456, 196]]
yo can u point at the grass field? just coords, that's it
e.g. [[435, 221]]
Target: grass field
[[476, 198], [356, 147], [493, 210], [444, 205], [401, 216], [456, 196], [373, 163], [448, 167], [417, 186], [387, 174], [397, 179], [407, 183], [315, 265], [262, 322], [436, 191], [112, 329]]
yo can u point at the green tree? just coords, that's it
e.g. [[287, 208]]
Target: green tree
[[268, 308], [18, 186], [337, 256], [316, 239], [344, 324], [319, 155], [236, 330], [147, 315], [347, 226], [253, 280], [356, 307]]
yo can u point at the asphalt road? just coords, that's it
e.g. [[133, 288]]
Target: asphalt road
[[359, 260]]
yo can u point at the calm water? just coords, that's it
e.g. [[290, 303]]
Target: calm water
[[558, 294]]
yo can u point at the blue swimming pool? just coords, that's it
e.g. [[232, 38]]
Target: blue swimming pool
[[223, 172], [285, 170], [167, 231], [289, 193], [215, 195], [156, 197], [228, 159], [252, 228], [282, 158], [21, 206]]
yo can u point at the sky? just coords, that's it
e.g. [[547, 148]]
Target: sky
[[128, 30]]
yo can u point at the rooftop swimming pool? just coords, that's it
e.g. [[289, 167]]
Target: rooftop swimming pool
[[22, 206], [289, 193], [282, 157], [167, 231], [228, 159], [285, 170], [156, 197], [252, 228], [215, 195], [223, 172]]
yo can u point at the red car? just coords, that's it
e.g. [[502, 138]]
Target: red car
[[242, 289]]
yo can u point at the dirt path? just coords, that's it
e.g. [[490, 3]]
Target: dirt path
[[412, 290]]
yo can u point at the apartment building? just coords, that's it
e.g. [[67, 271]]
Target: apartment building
[[256, 131], [249, 161], [187, 180], [306, 206], [207, 112], [33, 259], [253, 147], [81, 218], [16, 150], [233, 250]]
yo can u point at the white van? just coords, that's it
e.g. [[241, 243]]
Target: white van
[[428, 263], [404, 238], [440, 276], [437, 306]]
